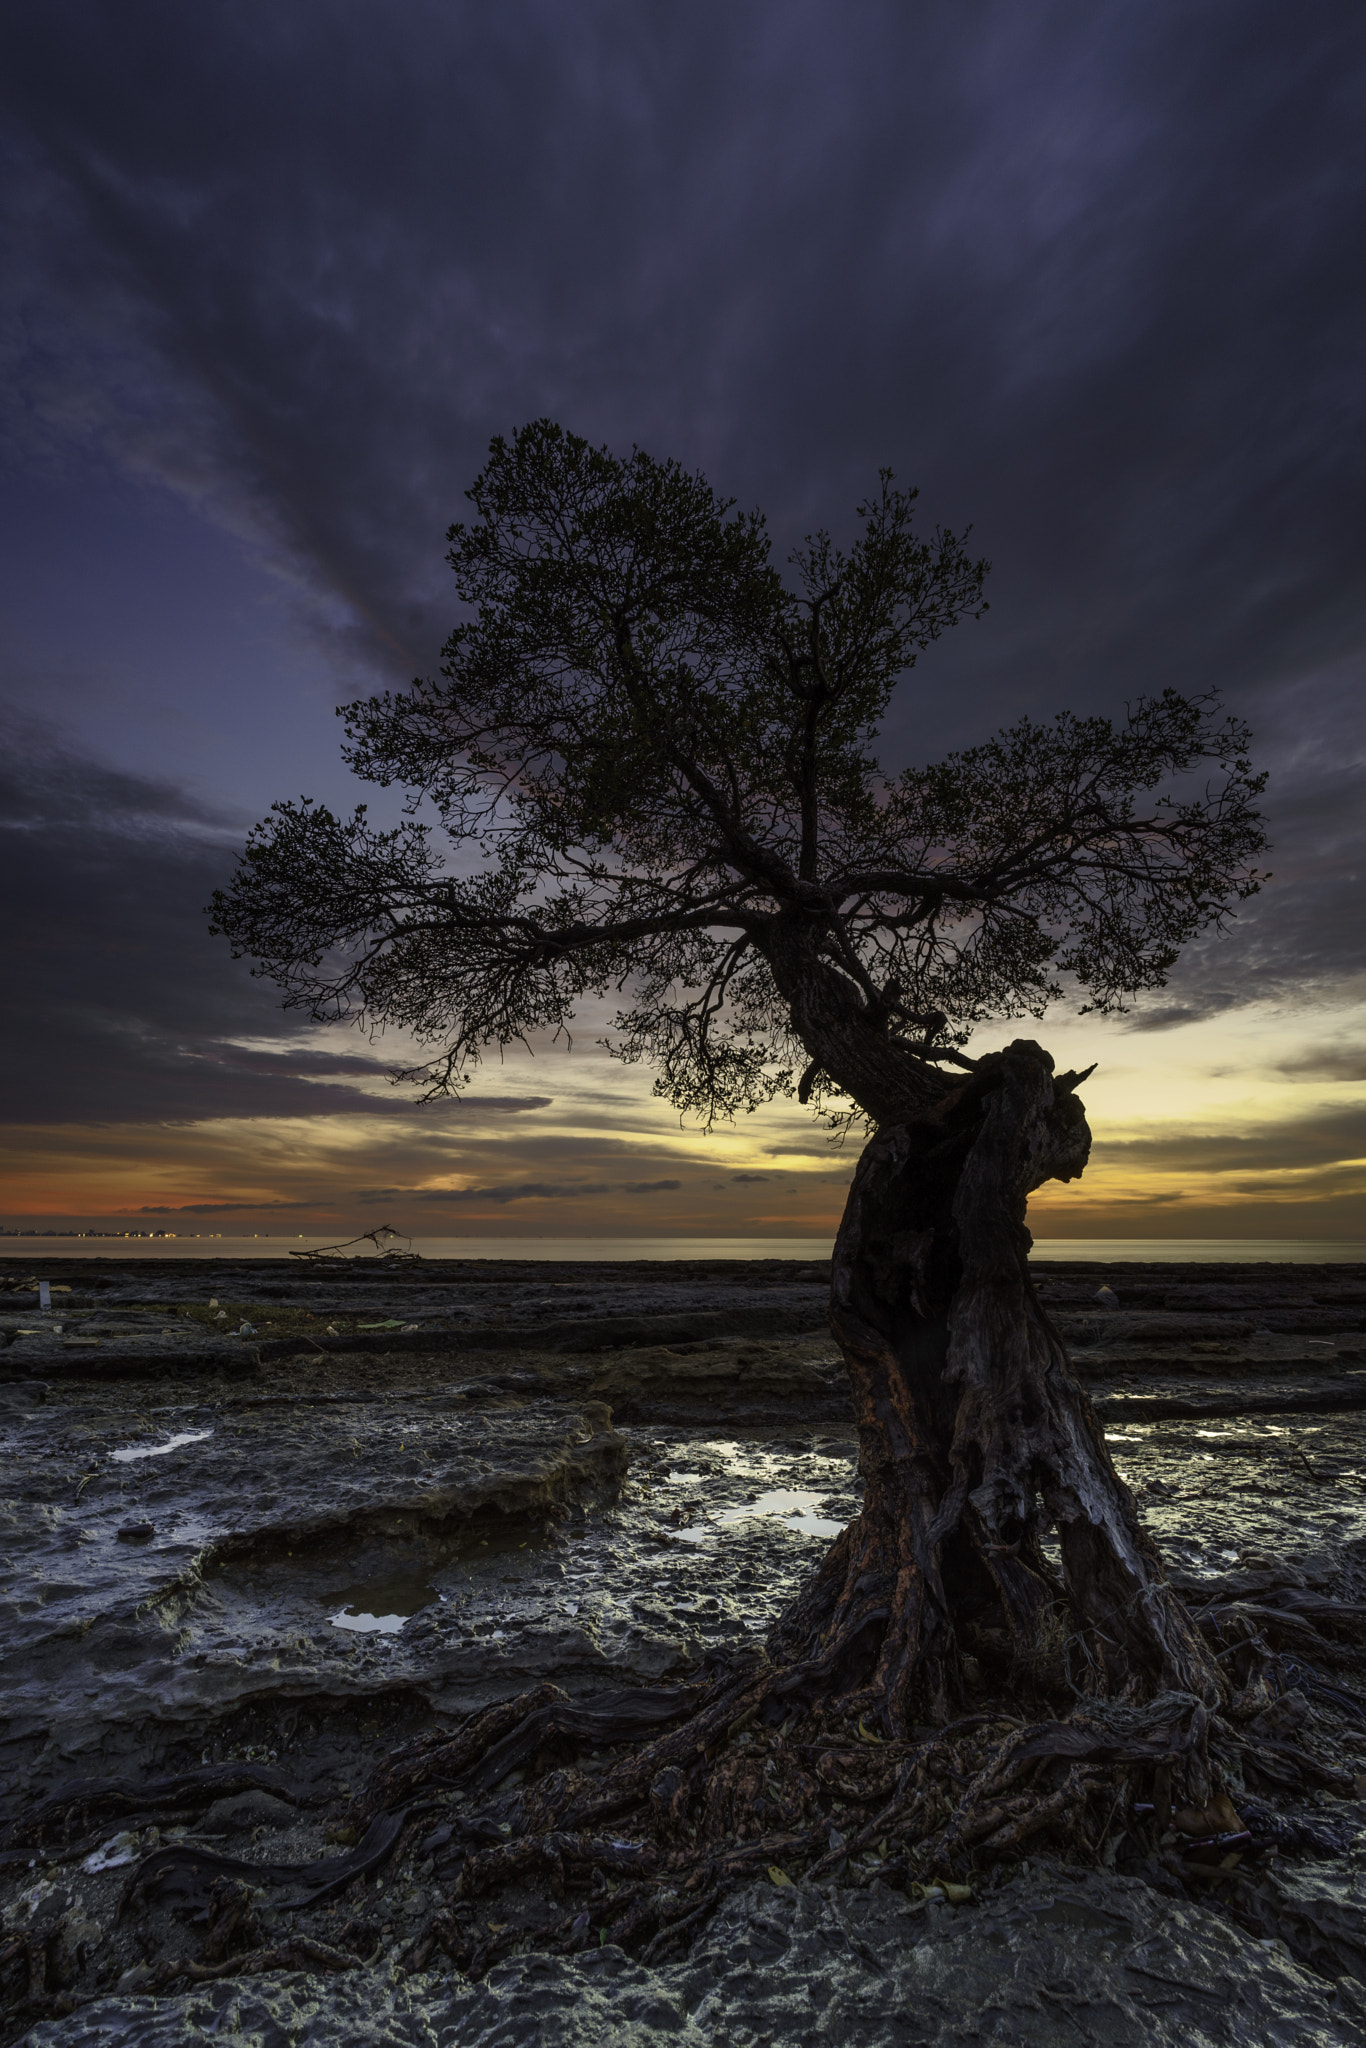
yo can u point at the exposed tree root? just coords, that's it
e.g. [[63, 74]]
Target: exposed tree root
[[738, 1788], [716, 1784], [942, 1695], [299, 1952]]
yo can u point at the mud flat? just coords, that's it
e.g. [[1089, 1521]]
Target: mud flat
[[238, 1568]]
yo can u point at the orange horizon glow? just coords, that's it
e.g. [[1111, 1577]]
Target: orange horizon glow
[[1223, 1128]]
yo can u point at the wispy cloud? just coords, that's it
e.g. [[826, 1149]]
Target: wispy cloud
[[524, 1191], [1101, 296], [221, 1208], [1326, 1063], [1319, 1139]]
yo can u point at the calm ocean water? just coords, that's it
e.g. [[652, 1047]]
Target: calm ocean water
[[1297, 1250]]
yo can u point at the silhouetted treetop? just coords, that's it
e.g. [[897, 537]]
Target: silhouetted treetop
[[647, 770]]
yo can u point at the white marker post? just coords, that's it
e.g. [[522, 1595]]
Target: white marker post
[[44, 1294]]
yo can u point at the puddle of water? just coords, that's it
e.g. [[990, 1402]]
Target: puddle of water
[[188, 1436], [380, 1607], [793, 1506], [368, 1624], [796, 1507]]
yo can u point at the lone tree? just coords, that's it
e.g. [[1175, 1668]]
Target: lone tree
[[651, 758]]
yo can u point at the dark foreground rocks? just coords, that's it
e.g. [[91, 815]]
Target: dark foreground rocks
[[171, 1566], [1049, 1958], [193, 1318], [237, 1574]]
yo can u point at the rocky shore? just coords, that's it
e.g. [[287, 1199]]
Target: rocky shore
[[265, 1521]]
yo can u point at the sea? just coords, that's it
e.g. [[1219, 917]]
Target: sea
[[1176, 1250]]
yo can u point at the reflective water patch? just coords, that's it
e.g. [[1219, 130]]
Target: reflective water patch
[[380, 1607], [794, 1505], [188, 1436]]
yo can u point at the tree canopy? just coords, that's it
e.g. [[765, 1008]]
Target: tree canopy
[[646, 771]]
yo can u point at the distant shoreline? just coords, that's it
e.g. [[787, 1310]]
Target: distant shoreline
[[19, 1251]]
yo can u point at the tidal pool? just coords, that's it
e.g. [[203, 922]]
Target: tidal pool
[[381, 1606], [793, 1505], [736, 1466], [186, 1436]]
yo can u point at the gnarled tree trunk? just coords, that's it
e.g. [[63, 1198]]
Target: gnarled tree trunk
[[975, 1440]]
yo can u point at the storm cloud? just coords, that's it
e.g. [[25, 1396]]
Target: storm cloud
[[1091, 277], [116, 1002]]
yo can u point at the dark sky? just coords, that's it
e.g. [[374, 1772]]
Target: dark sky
[[1092, 276]]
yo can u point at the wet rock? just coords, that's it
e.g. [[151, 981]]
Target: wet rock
[[17, 1395], [79, 1936], [357, 1544], [40, 1906], [1170, 1400], [259, 1519], [76, 1350], [1118, 1329], [245, 1811], [139, 1313], [1320, 1915], [131, 1321], [746, 1381], [1048, 1959]]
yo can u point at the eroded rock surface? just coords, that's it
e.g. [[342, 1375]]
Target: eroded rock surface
[[326, 1544], [172, 1564], [1050, 1958], [111, 1319]]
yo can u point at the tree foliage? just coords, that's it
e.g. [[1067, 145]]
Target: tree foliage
[[647, 771]]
